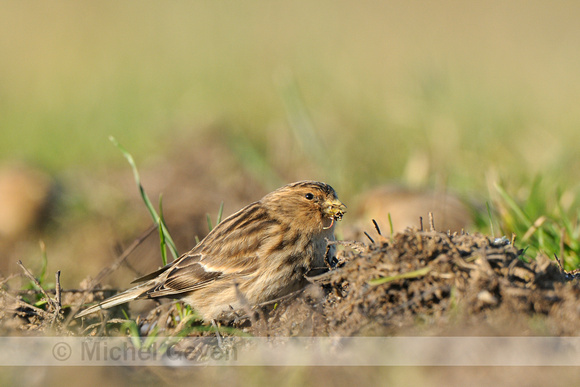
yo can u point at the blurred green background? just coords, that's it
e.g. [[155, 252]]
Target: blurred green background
[[452, 94], [471, 87], [449, 94]]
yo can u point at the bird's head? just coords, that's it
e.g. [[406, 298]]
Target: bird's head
[[311, 204]]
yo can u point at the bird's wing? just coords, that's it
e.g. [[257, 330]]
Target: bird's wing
[[184, 275], [192, 272], [229, 251]]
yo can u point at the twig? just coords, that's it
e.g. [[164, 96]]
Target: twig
[[118, 321], [431, 222], [101, 325], [63, 291], [108, 270], [4, 280], [58, 290], [534, 227], [368, 236], [31, 277], [357, 246], [376, 227], [569, 274], [320, 279], [408, 275], [326, 257], [58, 299], [38, 311]]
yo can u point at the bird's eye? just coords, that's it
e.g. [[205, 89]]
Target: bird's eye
[[309, 196]]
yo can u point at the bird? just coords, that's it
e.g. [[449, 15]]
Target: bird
[[263, 251]]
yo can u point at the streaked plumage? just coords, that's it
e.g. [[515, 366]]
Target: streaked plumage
[[265, 248]]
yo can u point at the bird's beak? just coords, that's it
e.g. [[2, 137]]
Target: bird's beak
[[334, 209]]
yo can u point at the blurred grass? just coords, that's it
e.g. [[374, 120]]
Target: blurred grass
[[545, 218], [463, 83], [477, 89]]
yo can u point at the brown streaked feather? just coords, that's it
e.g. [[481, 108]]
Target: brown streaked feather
[[189, 275], [207, 250], [186, 277], [153, 275]]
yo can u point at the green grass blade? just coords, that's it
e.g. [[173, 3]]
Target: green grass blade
[[209, 225], [514, 206], [490, 219], [220, 213], [42, 277], [391, 224], [131, 326], [162, 243], [151, 338], [156, 218]]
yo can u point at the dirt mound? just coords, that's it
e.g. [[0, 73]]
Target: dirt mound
[[424, 282], [434, 282]]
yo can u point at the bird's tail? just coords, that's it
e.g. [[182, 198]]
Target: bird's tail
[[118, 299]]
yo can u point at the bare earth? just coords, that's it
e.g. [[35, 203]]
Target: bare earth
[[424, 282]]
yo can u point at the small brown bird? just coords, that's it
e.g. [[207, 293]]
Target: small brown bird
[[265, 248]]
